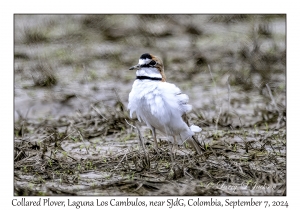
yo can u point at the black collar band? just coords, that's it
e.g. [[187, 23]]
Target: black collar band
[[151, 78]]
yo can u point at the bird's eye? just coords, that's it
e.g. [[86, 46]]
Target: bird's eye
[[152, 63]]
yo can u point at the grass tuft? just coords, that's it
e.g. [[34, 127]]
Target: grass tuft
[[43, 75]]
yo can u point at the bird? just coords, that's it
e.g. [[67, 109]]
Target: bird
[[161, 105]]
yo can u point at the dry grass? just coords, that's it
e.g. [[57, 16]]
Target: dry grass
[[240, 158]]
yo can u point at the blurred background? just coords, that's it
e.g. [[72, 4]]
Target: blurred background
[[233, 67]]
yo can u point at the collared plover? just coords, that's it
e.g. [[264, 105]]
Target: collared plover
[[160, 104]]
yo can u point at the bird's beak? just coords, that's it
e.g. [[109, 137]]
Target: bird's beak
[[136, 67]]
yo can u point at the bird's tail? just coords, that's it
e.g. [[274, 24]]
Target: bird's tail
[[195, 128], [188, 133], [193, 141]]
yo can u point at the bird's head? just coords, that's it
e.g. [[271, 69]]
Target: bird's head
[[149, 66]]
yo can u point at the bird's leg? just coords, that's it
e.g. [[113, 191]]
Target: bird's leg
[[155, 140], [194, 145], [175, 145], [171, 152]]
